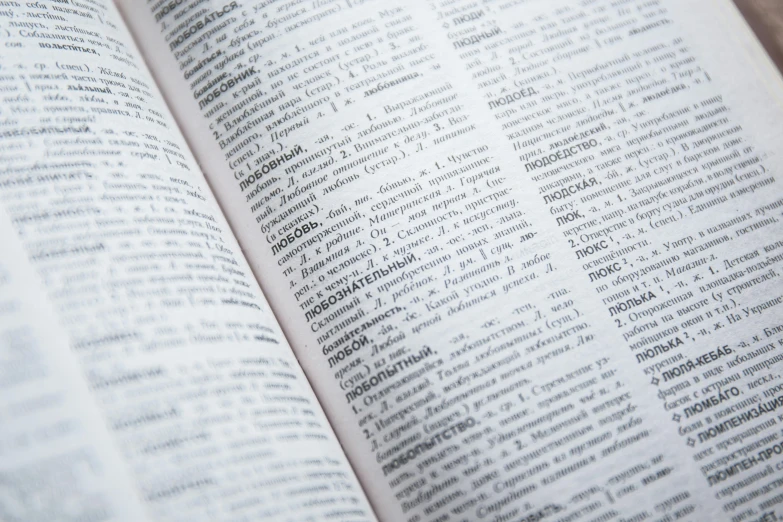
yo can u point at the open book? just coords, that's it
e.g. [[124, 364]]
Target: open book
[[352, 260]]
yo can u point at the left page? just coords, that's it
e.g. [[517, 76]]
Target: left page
[[144, 377]]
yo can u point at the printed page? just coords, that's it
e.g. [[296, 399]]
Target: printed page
[[160, 387], [57, 461], [527, 251]]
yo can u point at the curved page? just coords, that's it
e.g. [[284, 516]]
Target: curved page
[[526, 251], [198, 408]]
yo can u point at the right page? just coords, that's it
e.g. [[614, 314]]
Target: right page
[[527, 252]]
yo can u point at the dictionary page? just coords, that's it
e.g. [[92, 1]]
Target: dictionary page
[[57, 460], [527, 251], [160, 387]]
